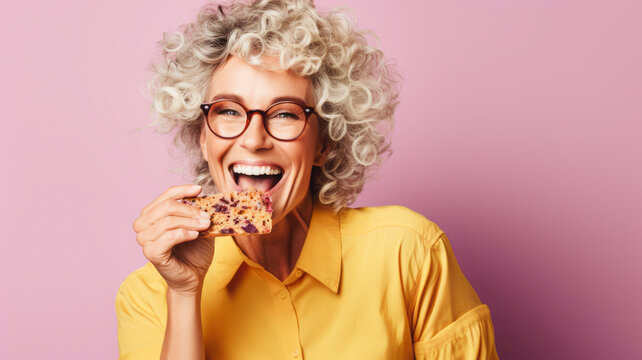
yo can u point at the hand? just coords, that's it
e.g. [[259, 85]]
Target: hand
[[167, 230]]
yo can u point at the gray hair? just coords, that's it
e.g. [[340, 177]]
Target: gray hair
[[355, 89]]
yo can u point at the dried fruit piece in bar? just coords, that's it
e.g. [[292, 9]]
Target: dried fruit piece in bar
[[235, 213]]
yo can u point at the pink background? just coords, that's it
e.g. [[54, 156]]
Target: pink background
[[518, 133]]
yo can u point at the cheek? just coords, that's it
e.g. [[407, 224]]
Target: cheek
[[304, 164], [216, 151]]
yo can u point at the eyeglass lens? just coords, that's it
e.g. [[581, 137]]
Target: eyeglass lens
[[284, 121]]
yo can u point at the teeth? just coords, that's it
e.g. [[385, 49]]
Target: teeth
[[255, 170]]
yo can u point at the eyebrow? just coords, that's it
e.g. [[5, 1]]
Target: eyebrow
[[240, 99]]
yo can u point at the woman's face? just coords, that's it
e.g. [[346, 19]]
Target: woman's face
[[230, 160]]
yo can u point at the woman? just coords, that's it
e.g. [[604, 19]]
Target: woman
[[328, 282]]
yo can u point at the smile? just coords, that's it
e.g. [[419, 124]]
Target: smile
[[261, 177]]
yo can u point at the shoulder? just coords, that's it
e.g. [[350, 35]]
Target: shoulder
[[398, 219], [143, 282], [390, 234], [141, 311], [388, 245]]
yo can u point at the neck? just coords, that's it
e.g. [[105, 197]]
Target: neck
[[279, 250]]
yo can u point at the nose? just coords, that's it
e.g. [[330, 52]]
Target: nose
[[255, 137]]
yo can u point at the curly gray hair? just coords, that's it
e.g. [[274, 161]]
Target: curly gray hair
[[355, 90]]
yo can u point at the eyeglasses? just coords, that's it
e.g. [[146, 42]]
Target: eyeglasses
[[284, 120]]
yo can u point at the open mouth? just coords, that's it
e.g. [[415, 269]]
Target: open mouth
[[263, 177]]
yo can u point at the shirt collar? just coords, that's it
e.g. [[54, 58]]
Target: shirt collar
[[227, 260], [320, 256], [321, 253]]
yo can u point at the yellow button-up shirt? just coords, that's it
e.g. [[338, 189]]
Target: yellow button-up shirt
[[370, 283]]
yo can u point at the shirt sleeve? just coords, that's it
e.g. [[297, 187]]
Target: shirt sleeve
[[449, 321], [141, 317]]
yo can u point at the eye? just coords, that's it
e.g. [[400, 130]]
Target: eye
[[231, 112], [286, 115]]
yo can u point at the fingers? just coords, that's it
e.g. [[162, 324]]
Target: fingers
[[159, 251], [167, 208], [165, 205], [174, 193], [170, 223], [166, 222]]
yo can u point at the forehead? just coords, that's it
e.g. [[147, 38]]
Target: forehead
[[257, 86]]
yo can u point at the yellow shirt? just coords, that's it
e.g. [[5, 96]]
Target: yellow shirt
[[370, 283]]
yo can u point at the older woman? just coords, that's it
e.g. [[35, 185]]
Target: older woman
[[329, 282]]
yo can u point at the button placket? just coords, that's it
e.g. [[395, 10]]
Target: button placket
[[288, 321]]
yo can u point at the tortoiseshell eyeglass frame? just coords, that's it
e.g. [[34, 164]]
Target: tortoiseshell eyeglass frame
[[307, 110]]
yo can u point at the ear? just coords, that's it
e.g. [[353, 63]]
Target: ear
[[321, 154], [203, 142]]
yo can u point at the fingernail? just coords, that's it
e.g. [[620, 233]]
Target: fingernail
[[195, 187], [193, 233], [204, 221], [205, 215]]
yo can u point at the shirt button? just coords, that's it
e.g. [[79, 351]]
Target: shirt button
[[299, 273], [295, 353], [283, 296]]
